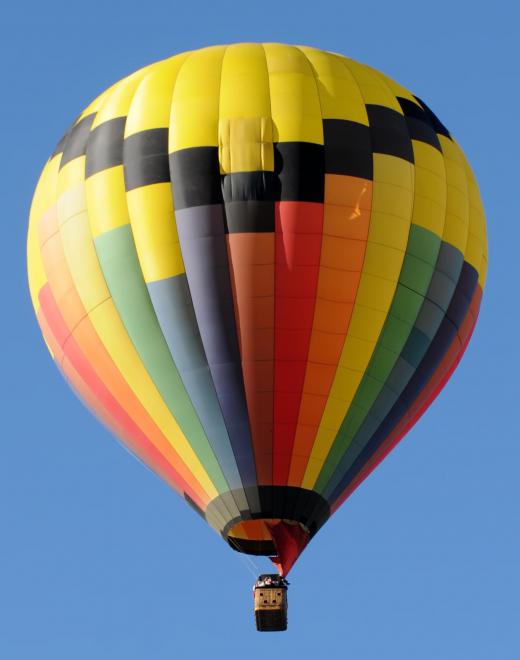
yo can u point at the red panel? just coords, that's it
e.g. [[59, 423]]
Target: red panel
[[298, 227]]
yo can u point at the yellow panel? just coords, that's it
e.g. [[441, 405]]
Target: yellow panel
[[155, 231], [389, 230], [246, 144], [476, 249], [429, 214], [45, 193], [429, 209], [70, 175], [375, 292], [366, 323], [35, 271], [454, 164], [455, 229], [150, 208], [457, 203], [83, 261], [429, 158], [348, 381], [43, 200], [340, 97], [71, 202], [393, 170], [392, 199], [473, 254], [373, 88], [96, 103], [295, 104], [196, 98], [106, 201], [395, 87], [116, 103], [151, 104], [244, 88], [360, 352], [477, 223], [383, 261]]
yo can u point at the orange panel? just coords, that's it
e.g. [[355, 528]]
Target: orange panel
[[251, 259], [345, 233]]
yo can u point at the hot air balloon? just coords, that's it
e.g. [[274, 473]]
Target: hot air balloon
[[258, 264]]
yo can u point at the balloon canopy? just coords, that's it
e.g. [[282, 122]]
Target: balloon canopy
[[258, 264]]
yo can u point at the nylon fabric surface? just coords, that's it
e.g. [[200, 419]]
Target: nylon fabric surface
[[257, 264]]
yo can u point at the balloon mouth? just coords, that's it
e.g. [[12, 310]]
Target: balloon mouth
[[255, 537], [281, 540], [269, 520]]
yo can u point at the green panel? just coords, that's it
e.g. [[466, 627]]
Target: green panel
[[398, 331], [381, 363], [394, 329], [423, 244], [406, 304], [416, 274], [367, 392], [120, 264]]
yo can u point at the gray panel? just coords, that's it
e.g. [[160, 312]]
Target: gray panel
[[172, 302], [429, 318], [450, 261], [203, 244], [441, 290]]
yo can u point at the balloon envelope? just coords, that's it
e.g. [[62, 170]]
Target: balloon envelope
[[258, 264]]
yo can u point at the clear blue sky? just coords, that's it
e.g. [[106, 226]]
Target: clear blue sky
[[98, 559]]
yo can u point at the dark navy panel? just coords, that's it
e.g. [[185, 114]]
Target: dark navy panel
[[298, 175], [348, 148], [450, 261], [251, 186], [252, 216], [419, 124], [429, 318], [58, 149], [278, 502], [389, 132], [75, 144], [439, 127], [300, 167], [105, 146], [146, 158], [195, 174], [415, 347], [249, 547]]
